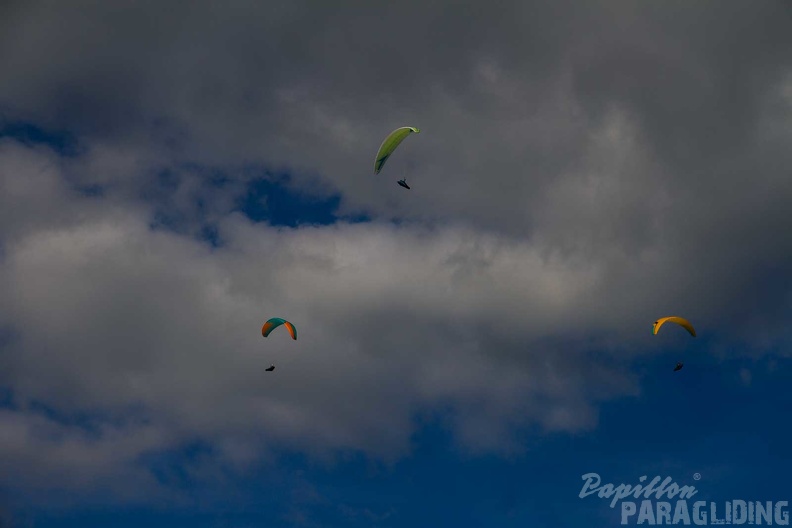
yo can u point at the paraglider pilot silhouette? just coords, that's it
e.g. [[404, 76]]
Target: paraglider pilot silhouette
[[274, 323], [389, 145], [681, 321]]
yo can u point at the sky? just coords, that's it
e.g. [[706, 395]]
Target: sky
[[173, 174]]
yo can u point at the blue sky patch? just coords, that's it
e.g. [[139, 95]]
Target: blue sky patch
[[60, 141], [278, 204]]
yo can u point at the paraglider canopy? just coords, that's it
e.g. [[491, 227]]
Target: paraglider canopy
[[274, 323], [684, 323], [389, 145]]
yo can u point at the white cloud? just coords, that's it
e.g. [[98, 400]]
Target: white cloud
[[112, 316]]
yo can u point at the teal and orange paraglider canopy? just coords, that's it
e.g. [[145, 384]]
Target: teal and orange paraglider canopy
[[274, 323]]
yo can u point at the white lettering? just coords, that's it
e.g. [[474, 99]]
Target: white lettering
[[781, 516], [714, 514], [699, 513], [589, 478], [593, 484], [646, 513], [663, 513], [628, 510], [763, 511], [681, 513], [740, 512]]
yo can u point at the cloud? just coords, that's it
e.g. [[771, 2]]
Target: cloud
[[581, 170], [115, 319], [42, 455]]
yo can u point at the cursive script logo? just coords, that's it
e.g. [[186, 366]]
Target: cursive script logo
[[668, 487]]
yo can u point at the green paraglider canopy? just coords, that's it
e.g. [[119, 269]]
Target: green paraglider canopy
[[389, 145]]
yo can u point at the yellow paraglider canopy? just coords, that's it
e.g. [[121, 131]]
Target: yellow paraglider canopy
[[681, 321]]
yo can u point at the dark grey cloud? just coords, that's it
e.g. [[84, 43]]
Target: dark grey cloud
[[507, 97]]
